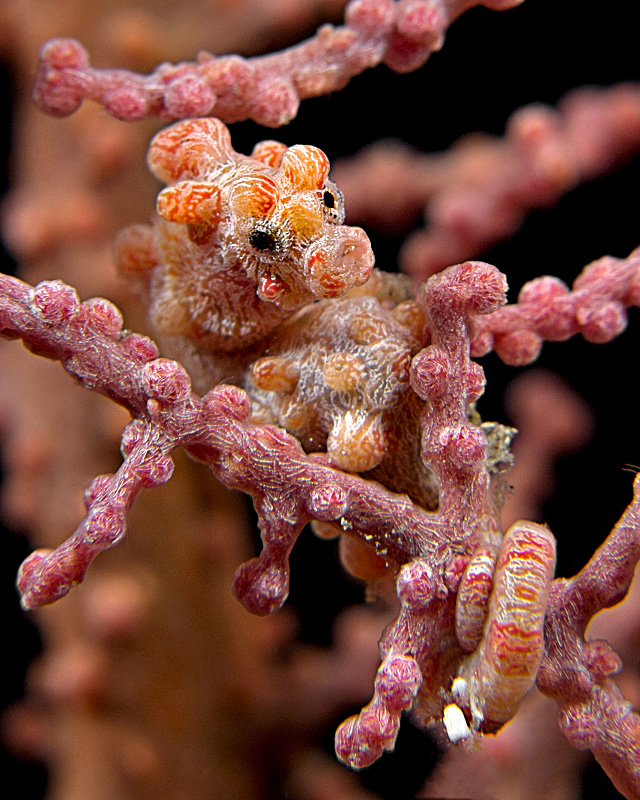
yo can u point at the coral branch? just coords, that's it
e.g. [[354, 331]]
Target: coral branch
[[353, 408], [288, 487], [267, 89], [577, 674], [45, 575], [443, 375], [548, 310]]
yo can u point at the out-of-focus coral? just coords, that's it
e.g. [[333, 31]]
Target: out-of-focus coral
[[480, 190], [552, 420]]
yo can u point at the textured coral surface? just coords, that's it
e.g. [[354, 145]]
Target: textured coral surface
[[355, 413]]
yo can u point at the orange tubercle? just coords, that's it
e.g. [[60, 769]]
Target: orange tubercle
[[189, 202], [305, 166]]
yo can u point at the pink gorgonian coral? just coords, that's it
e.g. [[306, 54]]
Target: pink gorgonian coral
[[348, 398], [426, 663]]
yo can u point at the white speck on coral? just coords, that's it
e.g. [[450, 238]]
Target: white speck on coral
[[455, 723]]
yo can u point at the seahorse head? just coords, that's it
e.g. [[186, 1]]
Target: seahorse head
[[275, 212]]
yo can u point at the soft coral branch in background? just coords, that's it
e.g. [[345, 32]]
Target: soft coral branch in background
[[548, 310], [479, 191], [267, 89]]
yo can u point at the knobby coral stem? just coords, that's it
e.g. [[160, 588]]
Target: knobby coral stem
[[443, 376], [286, 484], [267, 89], [547, 310], [577, 673], [48, 575], [289, 488], [89, 341]]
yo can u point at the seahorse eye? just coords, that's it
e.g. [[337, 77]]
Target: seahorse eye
[[329, 199], [332, 203], [261, 240]]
